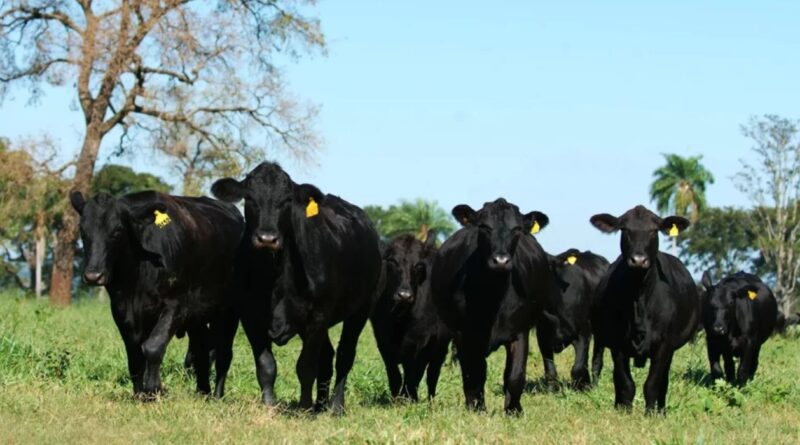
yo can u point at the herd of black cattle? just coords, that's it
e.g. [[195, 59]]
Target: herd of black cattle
[[301, 261]]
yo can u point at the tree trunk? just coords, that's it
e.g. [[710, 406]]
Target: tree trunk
[[64, 251], [39, 253]]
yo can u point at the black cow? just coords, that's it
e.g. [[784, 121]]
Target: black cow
[[326, 269], [739, 314], [490, 282], [407, 327], [647, 303], [577, 275], [168, 265]]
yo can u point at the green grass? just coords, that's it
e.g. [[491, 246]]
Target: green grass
[[63, 379]]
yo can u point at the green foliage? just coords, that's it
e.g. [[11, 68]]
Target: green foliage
[[722, 241], [119, 180], [679, 187], [70, 364], [416, 217]]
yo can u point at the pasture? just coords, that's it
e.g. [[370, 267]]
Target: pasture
[[63, 379]]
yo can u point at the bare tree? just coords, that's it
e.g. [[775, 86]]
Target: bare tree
[[160, 69], [773, 184]]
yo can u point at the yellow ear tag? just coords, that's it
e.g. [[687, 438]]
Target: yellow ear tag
[[535, 229], [673, 231], [162, 219], [572, 259], [312, 209], [751, 295]]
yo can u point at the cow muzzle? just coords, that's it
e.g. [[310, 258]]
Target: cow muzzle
[[267, 240], [500, 262], [94, 278], [720, 329], [638, 261], [404, 295]]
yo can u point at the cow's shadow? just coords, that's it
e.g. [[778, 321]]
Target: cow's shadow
[[543, 385], [697, 376]]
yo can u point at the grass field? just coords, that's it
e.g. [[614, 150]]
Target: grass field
[[63, 379]]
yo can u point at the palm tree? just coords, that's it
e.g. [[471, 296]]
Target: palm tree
[[679, 187], [418, 217]]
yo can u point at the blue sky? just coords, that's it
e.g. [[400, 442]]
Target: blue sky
[[561, 107]]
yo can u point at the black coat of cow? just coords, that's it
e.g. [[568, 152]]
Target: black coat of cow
[[739, 314], [490, 281], [577, 275], [326, 269], [407, 326], [647, 302], [168, 265]]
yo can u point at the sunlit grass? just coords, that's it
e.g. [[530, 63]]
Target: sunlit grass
[[63, 379]]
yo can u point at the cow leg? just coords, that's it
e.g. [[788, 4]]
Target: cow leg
[[388, 354], [657, 379], [199, 350], [662, 394], [714, 355], [266, 369], [514, 374], [597, 360], [580, 369], [730, 367], [224, 350], [307, 367], [747, 362], [346, 355], [546, 349], [473, 375], [413, 370], [624, 388], [435, 368], [136, 363], [154, 348], [324, 373]]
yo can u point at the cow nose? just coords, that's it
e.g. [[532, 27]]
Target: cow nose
[[501, 259], [404, 294], [720, 329], [92, 277], [267, 239], [639, 260]]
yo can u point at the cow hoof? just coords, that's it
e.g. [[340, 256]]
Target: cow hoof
[[268, 398], [515, 411], [624, 407]]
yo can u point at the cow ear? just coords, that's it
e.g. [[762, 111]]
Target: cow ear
[[535, 221], [77, 201], [673, 225], [152, 213], [605, 223], [464, 214], [430, 241], [304, 193], [750, 292], [228, 190], [705, 281]]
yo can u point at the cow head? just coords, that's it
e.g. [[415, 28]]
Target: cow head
[[269, 196], [639, 227], [108, 226], [407, 262], [719, 304], [500, 226]]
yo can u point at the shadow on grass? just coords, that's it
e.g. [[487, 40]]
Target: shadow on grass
[[543, 385], [697, 376]]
